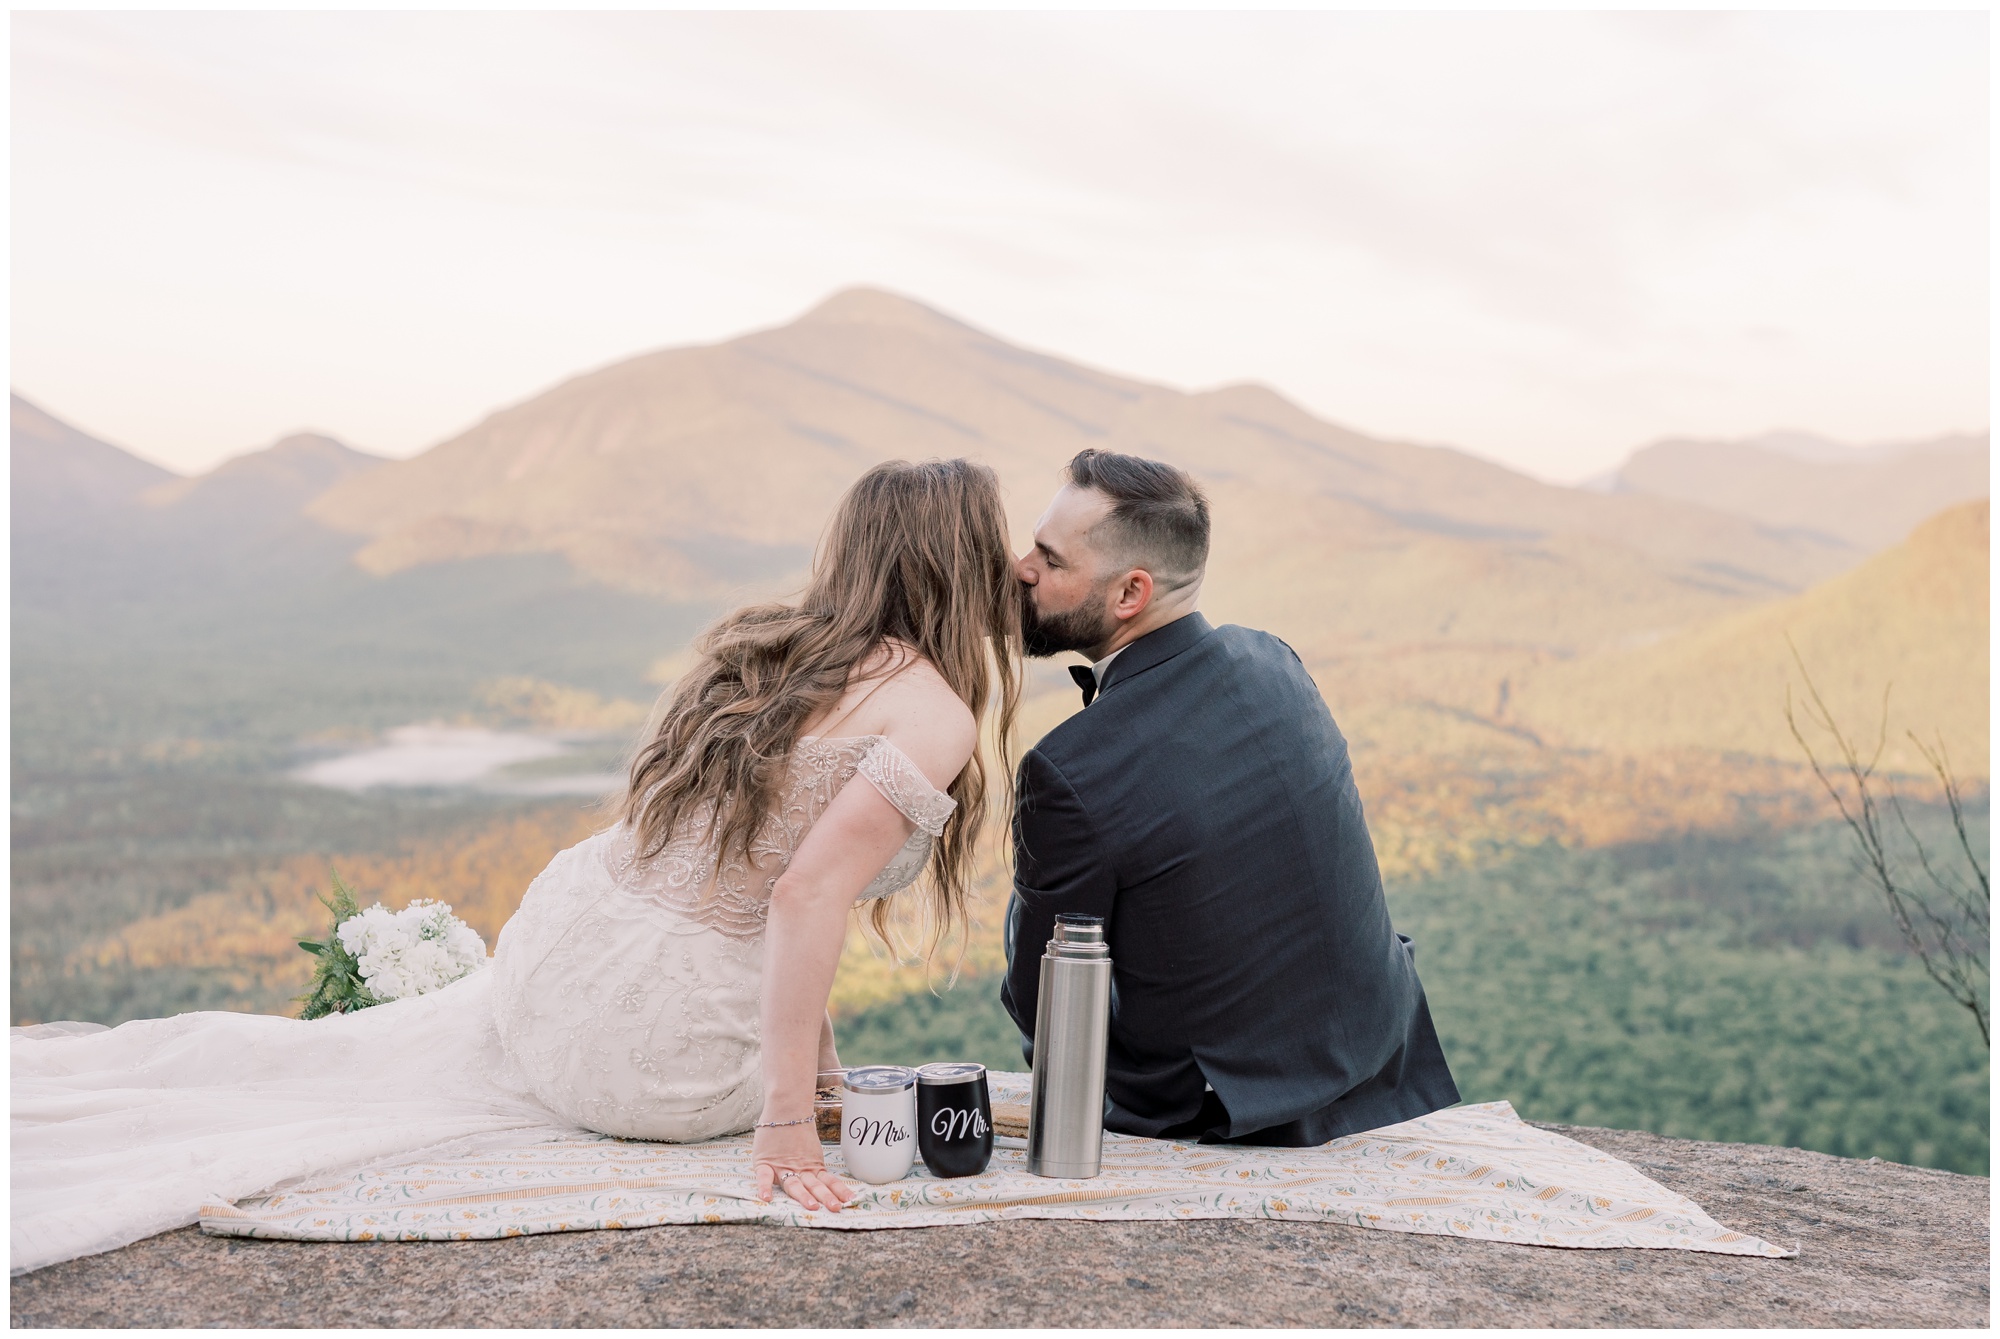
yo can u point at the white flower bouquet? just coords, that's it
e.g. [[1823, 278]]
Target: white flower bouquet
[[378, 955]]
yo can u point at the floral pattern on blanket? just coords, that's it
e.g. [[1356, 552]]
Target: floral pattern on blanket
[[1473, 1171]]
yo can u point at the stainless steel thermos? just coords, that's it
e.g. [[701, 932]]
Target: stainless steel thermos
[[1072, 1020]]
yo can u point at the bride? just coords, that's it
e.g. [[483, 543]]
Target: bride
[[664, 979]]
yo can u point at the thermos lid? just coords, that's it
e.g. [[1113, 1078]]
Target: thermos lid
[[1073, 929], [879, 1079], [1078, 937], [949, 1071]]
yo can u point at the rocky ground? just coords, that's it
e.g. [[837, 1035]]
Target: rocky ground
[[1880, 1245]]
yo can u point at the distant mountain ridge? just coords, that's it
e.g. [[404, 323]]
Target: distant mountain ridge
[[92, 520], [1822, 450], [58, 468], [152, 611], [1408, 575], [1866, 496], [289, 473], [1912, 621], [63, 473], [635, 470], [1433, 594]]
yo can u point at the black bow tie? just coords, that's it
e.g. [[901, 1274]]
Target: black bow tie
[[1086, 679]]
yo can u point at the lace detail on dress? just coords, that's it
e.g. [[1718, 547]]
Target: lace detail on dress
[[904, 785], [735, 899], [677, 877]]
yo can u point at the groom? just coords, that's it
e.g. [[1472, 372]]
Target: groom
[[1204, 805]]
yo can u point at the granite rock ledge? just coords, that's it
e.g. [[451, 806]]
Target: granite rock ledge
[[1880, 1245]]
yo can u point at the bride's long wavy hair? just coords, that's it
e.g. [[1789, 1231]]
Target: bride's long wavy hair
[[915, 554]]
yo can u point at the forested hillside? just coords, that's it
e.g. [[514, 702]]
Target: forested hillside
[[1737, 989]]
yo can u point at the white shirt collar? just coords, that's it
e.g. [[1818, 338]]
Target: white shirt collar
[[1097, 669]]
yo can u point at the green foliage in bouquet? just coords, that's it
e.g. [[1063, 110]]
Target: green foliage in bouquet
[[337, 987]]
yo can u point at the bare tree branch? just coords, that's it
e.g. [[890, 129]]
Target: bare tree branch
[[1947, 924]]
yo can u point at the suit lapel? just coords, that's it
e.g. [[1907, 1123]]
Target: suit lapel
[[1155, 648]]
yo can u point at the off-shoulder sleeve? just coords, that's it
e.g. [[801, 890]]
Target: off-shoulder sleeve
[[904, 785]]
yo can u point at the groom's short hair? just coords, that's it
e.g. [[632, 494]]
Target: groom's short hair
[[1158, 518]]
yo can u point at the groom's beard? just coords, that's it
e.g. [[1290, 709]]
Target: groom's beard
[[1086, 626]]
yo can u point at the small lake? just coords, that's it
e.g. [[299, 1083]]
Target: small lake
[[502, 762]]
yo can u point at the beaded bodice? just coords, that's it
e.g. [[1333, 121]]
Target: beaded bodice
[[734, 897]]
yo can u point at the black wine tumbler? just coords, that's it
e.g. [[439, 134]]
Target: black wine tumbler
[[954, 1118]]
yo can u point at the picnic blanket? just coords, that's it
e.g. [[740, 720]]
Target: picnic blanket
[[1473, 1171]]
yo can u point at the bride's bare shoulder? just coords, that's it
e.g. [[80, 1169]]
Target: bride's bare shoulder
[[925, 716], [915, 690]]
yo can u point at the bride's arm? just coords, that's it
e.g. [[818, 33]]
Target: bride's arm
[[829, 1054], [848, 846]]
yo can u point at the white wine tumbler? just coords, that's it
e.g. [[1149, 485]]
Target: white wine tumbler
[[878, 1122]]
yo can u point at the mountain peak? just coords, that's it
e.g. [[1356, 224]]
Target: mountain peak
[[68, 471], [879, 307], [1864, 497], [27, 416], [303, 446], [288, 472], [1809, 446]]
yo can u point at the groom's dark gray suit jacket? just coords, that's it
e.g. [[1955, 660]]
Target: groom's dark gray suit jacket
[[1204, 805]]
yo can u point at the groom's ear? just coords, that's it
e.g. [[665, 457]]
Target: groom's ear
[[1132, 594]]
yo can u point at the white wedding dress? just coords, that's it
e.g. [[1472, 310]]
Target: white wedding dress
[[622, 998]]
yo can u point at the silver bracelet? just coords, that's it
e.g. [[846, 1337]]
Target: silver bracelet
[[774, 1124]]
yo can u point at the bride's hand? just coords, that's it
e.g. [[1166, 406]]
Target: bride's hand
[[788, 1156]]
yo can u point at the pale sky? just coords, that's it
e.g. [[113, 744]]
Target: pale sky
[[1546, 239]]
